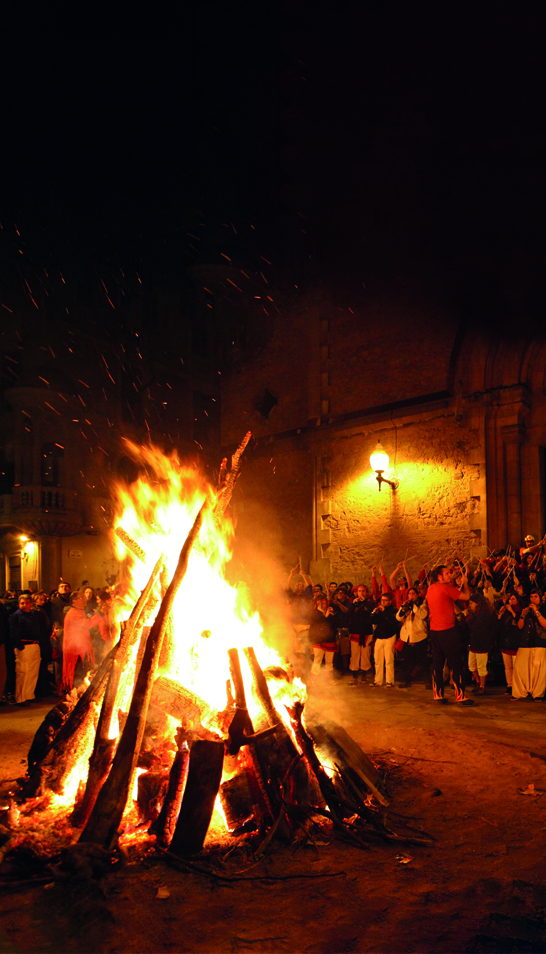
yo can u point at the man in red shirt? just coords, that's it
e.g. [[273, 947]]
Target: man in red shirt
[[441, 596]]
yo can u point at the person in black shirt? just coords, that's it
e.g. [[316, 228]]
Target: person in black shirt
[[385, 630], [508, 636], [26, 633], [361, 631], [530, 664], [482, 624]]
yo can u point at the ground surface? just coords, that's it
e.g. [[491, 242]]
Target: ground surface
[[460, 774]]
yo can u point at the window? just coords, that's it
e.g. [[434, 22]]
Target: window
[[52, 455]]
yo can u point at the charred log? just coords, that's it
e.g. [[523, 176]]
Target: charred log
[[151, 791], [339, 746], [204, 776], [58, 760], [236, 801], [46, 732], [165, 824]]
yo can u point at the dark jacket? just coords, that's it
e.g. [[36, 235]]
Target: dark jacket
[[322, 629], [532, 633], [508, 632], [385, 623], [59, 608], [482, 626], [25, 628], [360, 619]]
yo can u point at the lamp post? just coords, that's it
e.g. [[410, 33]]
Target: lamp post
[[379, 461]]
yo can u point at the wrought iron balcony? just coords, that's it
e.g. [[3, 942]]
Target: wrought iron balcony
[[43, 510]]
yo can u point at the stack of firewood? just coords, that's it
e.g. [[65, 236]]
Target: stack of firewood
[[270, 777]]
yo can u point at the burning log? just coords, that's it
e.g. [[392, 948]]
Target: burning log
[[47, 732], [105, 746], [326, 785], [180, 703], [204, 776], [105, 819], [165, 824], [131, 544], [151, 791], [339, 745], [56, 764], [280, 752], [236, 801], [242, 724]]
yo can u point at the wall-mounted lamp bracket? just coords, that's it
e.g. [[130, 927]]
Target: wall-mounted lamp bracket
[[393, 484]]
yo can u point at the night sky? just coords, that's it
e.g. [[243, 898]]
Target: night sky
[[363, 146]]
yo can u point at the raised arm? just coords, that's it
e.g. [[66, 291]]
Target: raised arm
[[392, 578], [306, 578], [375, 585], [385, 588], [290, 575], [465, 592]]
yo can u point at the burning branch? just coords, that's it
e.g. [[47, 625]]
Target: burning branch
[[228, 480], [103, 825], [131, 544], [105, 746]]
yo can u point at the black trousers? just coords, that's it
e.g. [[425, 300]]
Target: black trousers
[[446, 645], [415, 655]]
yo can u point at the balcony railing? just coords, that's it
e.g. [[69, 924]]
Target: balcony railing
[[43, 498]]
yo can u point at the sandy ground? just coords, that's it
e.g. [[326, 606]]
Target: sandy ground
[[460, 774]]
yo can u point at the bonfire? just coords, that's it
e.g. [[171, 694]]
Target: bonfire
[[193, 732]]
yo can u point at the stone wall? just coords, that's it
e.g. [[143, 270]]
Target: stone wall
[[429, 517]]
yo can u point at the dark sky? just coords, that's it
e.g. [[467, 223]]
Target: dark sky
[[369, 142]]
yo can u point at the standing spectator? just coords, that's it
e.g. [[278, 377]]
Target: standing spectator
[[77, 639], [481, 623], [25, 629], [414, 636], [342, 606], [4, 638], [300, 599], [445, 641], [385, 630], [60, 605], [508, 637], [361, 632], [530, 664], [91, 600], [105, 607], [322, 633], [41, 606], [11, 606]]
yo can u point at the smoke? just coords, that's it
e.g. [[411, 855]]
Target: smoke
[[257, 565]]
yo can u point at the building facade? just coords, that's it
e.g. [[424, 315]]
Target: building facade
[[84, 369], [460, 410]]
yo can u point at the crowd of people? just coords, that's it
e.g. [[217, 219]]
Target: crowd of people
[[52, 639], [470, 623]]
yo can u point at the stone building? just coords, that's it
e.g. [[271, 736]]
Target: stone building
[[86, 364], [461, 411]]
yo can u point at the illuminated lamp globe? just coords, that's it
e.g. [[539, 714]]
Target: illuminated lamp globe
[[379, 462], [379, 459]]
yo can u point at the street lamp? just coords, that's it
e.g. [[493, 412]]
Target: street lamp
[[379, 461]]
